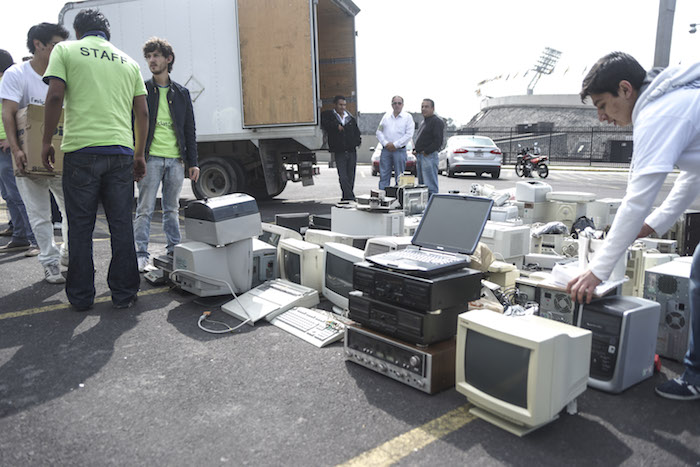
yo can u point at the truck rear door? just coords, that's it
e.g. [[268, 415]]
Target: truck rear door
[[278, 64]]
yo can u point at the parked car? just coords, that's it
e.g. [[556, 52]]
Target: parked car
[[470, 153], [410, 160]]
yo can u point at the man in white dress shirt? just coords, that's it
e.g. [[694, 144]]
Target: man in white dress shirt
[[394, 132]]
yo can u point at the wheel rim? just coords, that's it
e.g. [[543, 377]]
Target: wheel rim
[[215, 181]]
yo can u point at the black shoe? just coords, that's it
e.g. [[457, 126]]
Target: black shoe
[[7, 232], [679, 390], [15, 245], [82, 308], [127, 304]]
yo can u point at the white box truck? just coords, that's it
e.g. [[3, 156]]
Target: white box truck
[[259, 72]]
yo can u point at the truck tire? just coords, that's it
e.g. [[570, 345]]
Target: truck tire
[[217, 177]]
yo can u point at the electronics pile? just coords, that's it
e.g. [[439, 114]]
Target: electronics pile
[[384, 275]]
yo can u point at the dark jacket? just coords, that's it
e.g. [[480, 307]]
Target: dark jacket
[[182, 115], [431, 134], [340, 141]]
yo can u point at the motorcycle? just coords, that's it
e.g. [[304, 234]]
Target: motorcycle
[[529, 161]]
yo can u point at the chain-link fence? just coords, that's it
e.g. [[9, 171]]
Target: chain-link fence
[[594, 146]]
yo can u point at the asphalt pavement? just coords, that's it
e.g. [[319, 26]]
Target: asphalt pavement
[[145, 386]]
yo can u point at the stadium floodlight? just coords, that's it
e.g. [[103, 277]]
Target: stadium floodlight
[[545, 66]]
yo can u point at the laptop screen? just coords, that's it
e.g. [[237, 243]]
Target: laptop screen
[[453, 223]]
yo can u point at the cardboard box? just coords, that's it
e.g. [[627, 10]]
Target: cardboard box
[[30, 132]]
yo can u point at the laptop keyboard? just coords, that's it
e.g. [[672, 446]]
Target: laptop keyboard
[[426, 257]]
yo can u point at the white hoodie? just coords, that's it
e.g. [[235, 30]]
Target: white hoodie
[[666, 136]]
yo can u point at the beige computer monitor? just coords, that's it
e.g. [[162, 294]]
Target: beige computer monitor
[[520, 372]]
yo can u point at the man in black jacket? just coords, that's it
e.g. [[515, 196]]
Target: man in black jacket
[[428, 142], [171, 148], [343, 139]]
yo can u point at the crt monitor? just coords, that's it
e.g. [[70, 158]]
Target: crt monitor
[[520, 372], [337, 273], [301, 262], [272, 234]]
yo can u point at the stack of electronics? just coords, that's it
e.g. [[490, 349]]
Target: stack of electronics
[[521, 371], [624, 331], [406, 301], [217, 259]]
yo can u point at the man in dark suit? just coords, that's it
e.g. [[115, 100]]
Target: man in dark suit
[[343, 139]]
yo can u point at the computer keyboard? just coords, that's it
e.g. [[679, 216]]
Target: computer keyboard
[[314, 326]]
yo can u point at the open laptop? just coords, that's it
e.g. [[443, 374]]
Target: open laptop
[[448, 232]]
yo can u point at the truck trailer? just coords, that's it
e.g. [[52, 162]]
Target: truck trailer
[[259, 73]]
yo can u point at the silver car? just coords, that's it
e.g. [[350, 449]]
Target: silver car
[[470, 153]]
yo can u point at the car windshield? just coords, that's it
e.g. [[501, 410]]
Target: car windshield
[[471, 141]]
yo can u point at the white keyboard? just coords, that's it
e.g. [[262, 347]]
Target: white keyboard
[[270, 299], [315, 326]]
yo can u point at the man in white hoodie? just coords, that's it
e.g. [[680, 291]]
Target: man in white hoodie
[[665, 110]]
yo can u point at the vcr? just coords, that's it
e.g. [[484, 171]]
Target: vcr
[[416, 327], [455, 288], [430, 369]]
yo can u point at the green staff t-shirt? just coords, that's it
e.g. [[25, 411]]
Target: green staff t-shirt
[[164, 142], [101, 83]]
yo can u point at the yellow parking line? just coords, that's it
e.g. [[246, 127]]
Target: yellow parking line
[[65, 306], [396, 449]]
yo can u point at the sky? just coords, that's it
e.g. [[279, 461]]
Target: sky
[[443, 49]]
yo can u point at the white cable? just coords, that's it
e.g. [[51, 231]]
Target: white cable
[[196, 275]]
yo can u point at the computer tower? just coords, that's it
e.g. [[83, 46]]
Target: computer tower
[[624, 336], [668, 285], [686, 231], [638, 261]]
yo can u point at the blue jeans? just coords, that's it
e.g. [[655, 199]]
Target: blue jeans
[[692, 357], [10, 193], [427, 168], [87, 180], [171, 172], [346, 162], [389, 161]]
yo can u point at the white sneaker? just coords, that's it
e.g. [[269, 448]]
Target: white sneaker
[[143, 263], [64, 260], [52, 272]]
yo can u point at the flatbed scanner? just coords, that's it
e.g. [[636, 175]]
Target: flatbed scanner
[[223, 220]]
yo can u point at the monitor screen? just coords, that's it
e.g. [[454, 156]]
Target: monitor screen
[[291, 262], [338, 274], [453, 223], [497, 368]]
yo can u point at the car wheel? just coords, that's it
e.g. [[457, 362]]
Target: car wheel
[[450, 171], [496, 173]]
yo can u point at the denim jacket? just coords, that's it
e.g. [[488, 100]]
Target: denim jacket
[[182, 115]]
